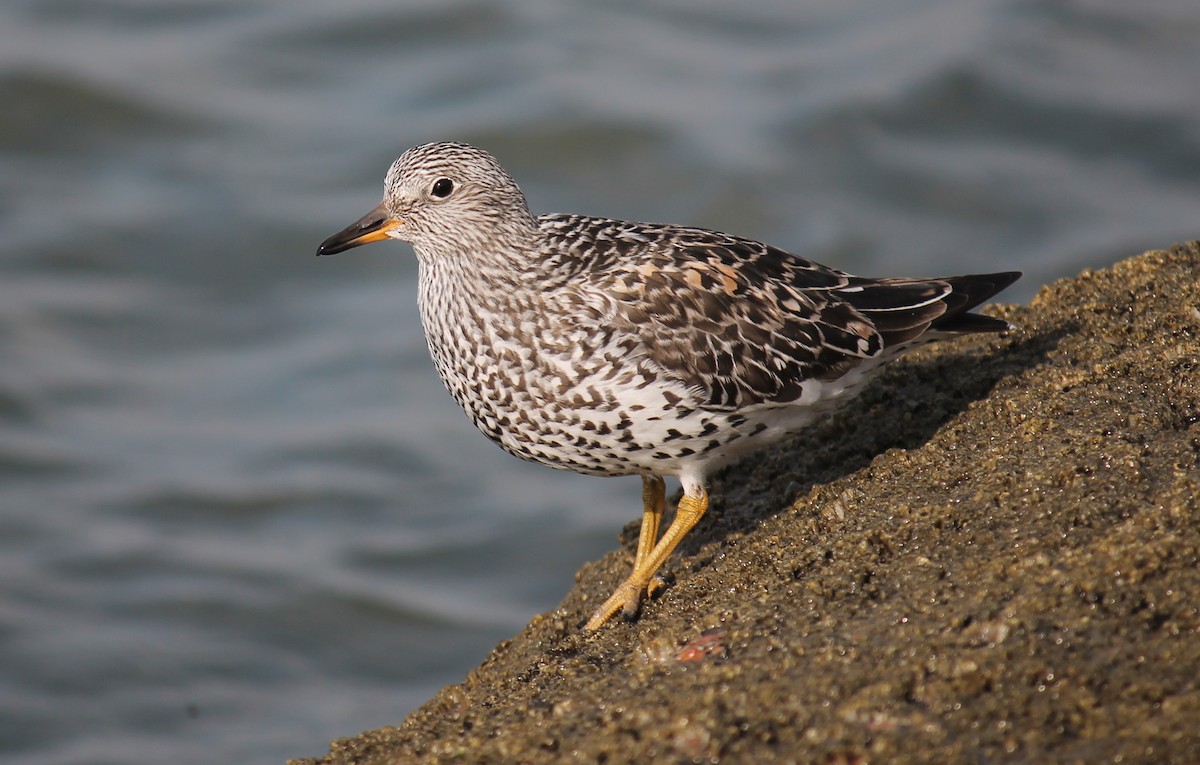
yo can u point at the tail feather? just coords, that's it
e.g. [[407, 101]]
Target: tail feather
[[968, 292], [904, 309]]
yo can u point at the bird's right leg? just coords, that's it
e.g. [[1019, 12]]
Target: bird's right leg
[[654, 502]]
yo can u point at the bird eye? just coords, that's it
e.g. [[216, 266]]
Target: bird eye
[[442, 188]]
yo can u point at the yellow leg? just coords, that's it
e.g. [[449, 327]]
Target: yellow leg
[[654, 501], [628, 595]]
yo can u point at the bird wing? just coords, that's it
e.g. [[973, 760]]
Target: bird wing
[[742, 323]]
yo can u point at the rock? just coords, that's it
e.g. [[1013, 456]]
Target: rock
[[994, 557]]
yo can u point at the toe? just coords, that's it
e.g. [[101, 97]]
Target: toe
[[627, 598]]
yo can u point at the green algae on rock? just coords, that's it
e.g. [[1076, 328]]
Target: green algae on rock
[[996, 557]]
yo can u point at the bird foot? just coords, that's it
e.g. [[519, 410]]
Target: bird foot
[[627, 599]]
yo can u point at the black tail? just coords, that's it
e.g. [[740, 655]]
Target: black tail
[[904, 309], [968, 292]]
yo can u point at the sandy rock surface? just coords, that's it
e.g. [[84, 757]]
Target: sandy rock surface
[[993, 557]]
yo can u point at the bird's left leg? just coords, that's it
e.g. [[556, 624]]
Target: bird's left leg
[[628, 595]]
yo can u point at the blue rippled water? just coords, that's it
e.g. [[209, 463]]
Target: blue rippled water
[[238, 515]]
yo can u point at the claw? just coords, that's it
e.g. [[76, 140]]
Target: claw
[[631, 608], [656, 584]]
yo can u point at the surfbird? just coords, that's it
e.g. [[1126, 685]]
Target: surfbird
[[614, 348]]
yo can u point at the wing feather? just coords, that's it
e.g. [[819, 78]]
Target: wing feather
[[742, 323]]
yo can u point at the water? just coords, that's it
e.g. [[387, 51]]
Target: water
[[238, 515]]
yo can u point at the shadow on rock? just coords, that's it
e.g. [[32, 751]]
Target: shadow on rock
[[902, 409]]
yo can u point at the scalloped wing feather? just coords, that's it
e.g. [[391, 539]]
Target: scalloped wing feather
[[744, 324]]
